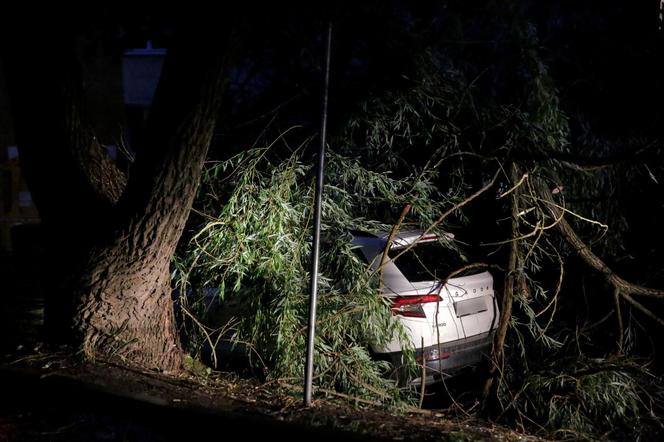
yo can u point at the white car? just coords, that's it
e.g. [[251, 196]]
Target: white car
[[450, 322]]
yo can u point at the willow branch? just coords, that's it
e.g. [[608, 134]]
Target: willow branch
[[588, 256], [641, 308], [621, 328], [449, 212]]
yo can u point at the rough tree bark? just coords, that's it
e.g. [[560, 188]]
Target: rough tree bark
[[111, 239]]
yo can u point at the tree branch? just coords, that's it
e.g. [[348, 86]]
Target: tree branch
[[513, 279], [641, 308], [587, 255], [622, 288]]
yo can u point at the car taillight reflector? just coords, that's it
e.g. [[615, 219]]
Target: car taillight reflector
[[411, 306], [432, 355]]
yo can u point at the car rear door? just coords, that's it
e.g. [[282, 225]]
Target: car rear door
[[473, 303]]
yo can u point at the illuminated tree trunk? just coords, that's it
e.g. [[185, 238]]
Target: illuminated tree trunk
[[111, 239]]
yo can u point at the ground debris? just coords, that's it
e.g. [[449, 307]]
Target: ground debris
[[209, 401]]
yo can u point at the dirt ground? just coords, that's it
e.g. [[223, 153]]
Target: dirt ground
[[48, 397]]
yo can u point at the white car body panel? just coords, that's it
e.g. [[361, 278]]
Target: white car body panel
[[466, 316]]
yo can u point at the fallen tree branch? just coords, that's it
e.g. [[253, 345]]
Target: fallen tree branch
[[621, 287], [587, 255]]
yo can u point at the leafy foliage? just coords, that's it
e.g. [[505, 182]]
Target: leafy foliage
[[256, 246], [582, 397], [255, 243], [548, 380], [426, 144]]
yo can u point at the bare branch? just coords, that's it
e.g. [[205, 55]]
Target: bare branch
[[390, 239], [641, 308], [625, 287], [514, 187], [621, 328]]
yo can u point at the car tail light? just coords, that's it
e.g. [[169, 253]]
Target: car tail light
[[432, 355], [411, 306]]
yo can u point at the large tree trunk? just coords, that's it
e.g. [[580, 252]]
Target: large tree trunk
[[60, 160], [127, 312], [112, 247]]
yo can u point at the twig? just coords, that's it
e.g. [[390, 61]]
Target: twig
[[620, 286], [202, 328], [514, 187], [349, 397], [582, 218], [554, 299], [477, 265], [536, 229], [588, 256], [621, 330], [390, 239], [643, 309], [513, 401], [423, 376], [455, 404], [374, 390], [62, 429]]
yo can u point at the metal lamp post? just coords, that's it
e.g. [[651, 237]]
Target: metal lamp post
[[309, 367]]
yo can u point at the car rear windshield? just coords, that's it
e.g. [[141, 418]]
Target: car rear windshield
[[426, 261]]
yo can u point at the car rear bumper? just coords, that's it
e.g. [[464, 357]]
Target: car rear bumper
[[437, 362]]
